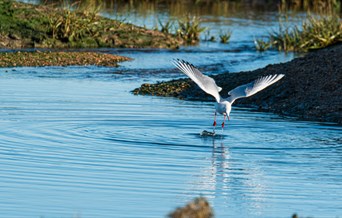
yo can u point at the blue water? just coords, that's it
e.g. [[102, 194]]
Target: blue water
[[74, 142]]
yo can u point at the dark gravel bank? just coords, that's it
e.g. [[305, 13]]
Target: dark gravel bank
[[310, 90]]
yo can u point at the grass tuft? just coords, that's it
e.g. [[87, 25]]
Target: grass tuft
[[262, 45], [167, 27], [189, 29], [313, 33], [225, 37]]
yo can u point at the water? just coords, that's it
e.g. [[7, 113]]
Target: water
[[74, 142]]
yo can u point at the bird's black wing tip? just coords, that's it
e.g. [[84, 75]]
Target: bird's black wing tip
[[181, 61]]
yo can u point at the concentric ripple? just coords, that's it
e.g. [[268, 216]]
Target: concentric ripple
[[87, 147]]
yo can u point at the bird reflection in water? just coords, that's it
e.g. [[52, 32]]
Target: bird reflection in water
[[233, 182]]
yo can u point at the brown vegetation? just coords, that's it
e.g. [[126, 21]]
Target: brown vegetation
[[198, 208], [16, 59], [25, 25]]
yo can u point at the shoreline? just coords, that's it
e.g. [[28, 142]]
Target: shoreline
[[58, 58], [311, 89], [25, 25]]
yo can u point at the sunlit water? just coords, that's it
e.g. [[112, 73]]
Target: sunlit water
[[74, 142]]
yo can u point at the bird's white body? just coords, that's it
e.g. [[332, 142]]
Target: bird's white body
[[207, 84], [223, 107]]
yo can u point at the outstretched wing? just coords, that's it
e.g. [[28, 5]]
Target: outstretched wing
[[206, 83], [249, 89]]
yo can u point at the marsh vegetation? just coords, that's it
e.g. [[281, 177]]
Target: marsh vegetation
[[313, 33], [78, 25], [25, 25], [48, 58], [225, 36], [187, 28]]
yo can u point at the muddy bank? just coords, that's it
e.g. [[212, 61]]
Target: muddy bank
[[37, 26], [39, 59], [311, 89]]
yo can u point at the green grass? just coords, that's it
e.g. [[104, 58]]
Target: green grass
[[313, 33], [167, 27], [46, 26], [262, 45], [189, 29], [225, 37]]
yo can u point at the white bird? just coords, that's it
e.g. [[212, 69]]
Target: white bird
[[224, 105]]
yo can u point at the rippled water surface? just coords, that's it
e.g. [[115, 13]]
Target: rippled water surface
[[74, 142]]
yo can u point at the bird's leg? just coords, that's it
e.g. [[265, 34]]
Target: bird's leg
[[224, 120], [214, 124]]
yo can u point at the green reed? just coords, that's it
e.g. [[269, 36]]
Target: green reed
[[167, 26], [262, 45], [190, 29], [225, 37], [314, 32], [75, 22]]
